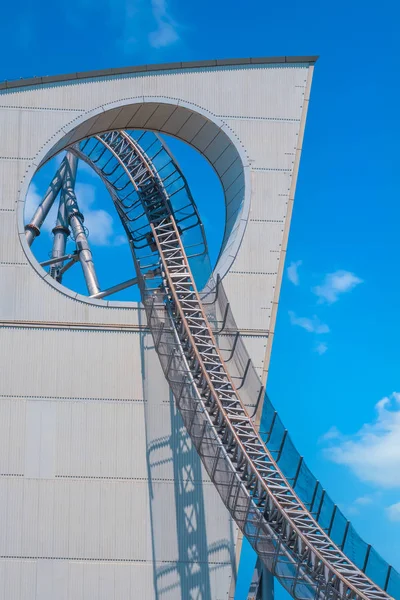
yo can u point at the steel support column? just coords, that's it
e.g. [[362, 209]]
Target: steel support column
[[75, 220], [32, 229], [61, 233]]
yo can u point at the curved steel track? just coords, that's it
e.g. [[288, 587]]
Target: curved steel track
[[283, 532]]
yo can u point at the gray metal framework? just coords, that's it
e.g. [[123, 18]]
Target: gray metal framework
[[69, 222], [286, 535], [130, 171]]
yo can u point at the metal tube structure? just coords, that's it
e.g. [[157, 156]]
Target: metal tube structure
[[75, 221], [116, 288], [52, 261], [32, 229], [61, 233], [123, 285], [69, 264]]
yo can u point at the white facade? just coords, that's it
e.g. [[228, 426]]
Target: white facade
[[101, 494]]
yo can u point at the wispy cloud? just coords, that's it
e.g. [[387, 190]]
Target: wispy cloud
[[373, 453], [99, 222], [393, 512], [361, 503], [147, 27], [332, 434], [321, 348], [293, 271], [166, 32], [336, 284], [312, 325], [364, 500]]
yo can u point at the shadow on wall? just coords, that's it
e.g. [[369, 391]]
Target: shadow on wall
[[179, 538]]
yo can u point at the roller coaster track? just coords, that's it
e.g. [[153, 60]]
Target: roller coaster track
[[284, 533]]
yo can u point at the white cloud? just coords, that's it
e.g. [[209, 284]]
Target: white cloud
[[293, 272], [321, 348], [364, 500], [144, 27], [312, 325], [361, 503], [373, 453], [336, 284], [358, 504], [99, 223], [332, 434], [393, 512], [166, 32]]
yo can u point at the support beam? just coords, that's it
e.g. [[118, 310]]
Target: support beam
[[75, 220], [69, 264], [116, 288], [125, 284], [32, 229], [52, 261], [61, 233]]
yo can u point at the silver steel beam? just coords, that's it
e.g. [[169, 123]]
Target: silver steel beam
[[52, 261], [124, 284], [32, 229], [69, 264], [75, 221], [116, 288], [61, 233]]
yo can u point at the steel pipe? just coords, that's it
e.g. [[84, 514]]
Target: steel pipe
[[69, 264], [124, 284], [61, 233], [52, 261], [75, 221], [32, 229], [116, 288]]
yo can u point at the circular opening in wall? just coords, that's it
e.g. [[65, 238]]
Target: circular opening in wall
[[88, 211]]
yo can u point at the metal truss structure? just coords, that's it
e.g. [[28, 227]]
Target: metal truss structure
[[168, 244]]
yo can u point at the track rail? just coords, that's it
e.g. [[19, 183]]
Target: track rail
[[277, 524], [285, 535]]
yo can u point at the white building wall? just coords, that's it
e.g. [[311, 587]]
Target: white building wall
[[101, 494]]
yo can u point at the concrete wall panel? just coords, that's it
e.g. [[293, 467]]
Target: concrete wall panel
[[257, 246], [270, 195], [22, 282], [272, 143], [101, 440], [73, 580], [10, 248], [280, 88], [12, 171], [67, 364], [256, 314]]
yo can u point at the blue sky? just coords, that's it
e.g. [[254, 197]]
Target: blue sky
[[338, 327]]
